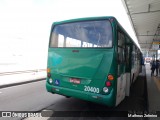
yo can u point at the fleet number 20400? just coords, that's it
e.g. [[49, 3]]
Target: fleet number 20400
[[91, 89]]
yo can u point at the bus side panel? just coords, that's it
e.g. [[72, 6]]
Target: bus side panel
[[121, 87]]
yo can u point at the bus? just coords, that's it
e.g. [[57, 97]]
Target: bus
[[148, 60], [92, 59]]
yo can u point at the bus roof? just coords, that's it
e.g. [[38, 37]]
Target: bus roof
[[84, 19]]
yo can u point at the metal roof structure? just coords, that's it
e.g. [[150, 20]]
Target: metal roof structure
[[145, 19]]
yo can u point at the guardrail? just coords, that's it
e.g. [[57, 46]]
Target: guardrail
[[21, 72]]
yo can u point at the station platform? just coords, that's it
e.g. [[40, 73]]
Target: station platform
[[153, 88]]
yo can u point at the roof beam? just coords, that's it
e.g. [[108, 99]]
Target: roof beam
[[145, 43], [145, 12], [148, 35]]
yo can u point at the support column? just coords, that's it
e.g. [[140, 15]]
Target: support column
[[156, 54]]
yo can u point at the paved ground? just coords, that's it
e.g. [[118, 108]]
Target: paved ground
[[153, 88], [27, 97], [22, 95]]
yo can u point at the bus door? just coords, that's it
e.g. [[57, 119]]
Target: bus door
[[121, 79]]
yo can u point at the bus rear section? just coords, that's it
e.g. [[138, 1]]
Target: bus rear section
[[81, 61]]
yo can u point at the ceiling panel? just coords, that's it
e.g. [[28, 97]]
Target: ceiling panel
[[145, 19]]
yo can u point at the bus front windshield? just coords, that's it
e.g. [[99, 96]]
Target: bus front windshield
[[82, 34]]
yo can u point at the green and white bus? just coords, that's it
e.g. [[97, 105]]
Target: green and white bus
[[93, 59]]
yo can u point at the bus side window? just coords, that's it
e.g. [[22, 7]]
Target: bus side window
[[133, 56], [127, 56], [54, 40], [121, 48], [119, 61], [121, 53]]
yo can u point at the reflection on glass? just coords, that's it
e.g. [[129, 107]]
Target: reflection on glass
[[70, 42], [61, 41], [82, 34]]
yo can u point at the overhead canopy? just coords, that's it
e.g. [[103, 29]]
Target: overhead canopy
[[145, 19]]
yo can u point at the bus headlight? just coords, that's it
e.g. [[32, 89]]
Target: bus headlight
[[50, 80], [105, 90]]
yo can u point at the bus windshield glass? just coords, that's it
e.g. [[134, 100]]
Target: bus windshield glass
[[82, 34]]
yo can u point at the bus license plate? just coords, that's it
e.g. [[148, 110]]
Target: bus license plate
[[75, 80]]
